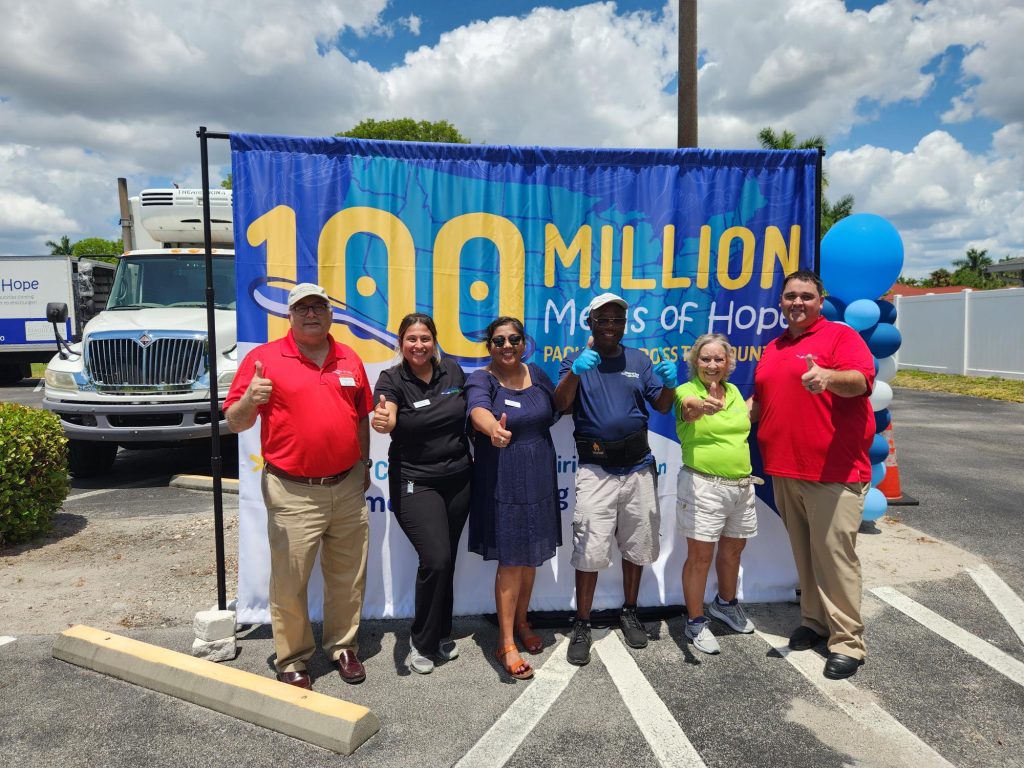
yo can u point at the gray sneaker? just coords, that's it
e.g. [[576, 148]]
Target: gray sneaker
[[633, 631], [579, 643], [700, 634], [448, 650], [418, 663], [733, 616]]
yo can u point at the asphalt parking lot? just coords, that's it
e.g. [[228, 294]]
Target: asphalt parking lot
[[944, 683]]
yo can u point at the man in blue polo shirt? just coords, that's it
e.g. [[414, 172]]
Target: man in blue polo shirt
[[608, 387]]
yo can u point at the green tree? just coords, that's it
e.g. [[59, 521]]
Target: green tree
[[973, 261], [406, 129], [912, 281], [99, 249], [830, 212], [940, 278], [226, 183], [63, 248]]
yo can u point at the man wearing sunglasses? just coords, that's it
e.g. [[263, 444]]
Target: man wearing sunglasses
[[314, 400], [608, 387]]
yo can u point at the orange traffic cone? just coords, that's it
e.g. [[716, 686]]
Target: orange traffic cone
[[890, 485]]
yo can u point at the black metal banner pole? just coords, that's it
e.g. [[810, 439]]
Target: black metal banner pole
[[212, 352], [817, 210]]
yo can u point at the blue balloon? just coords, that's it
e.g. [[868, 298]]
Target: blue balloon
[[861, 314], [874, 505], [883, 340], [882, 420], [879, 449], [877, 473], [886, 311], [861, 257], [832, 308]]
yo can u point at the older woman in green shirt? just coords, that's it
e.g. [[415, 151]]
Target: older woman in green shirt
[[715, 495]]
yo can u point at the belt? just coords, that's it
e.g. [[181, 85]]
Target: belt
[[739, 482], [329, 480]]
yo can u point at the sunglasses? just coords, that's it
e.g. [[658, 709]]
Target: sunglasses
[[514, 340], [608, 322], [317, 308]]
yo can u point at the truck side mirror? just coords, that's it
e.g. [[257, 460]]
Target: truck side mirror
[[56, 312]]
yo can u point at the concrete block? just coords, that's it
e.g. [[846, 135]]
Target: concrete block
[[203, 483], [214, 625], [333, 724], [215, 650]]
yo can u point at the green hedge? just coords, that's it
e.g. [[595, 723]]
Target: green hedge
[[33, 471]]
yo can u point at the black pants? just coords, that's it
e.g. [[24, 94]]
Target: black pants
[[433, 516]]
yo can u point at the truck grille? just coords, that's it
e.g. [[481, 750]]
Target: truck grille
[[163, 365]]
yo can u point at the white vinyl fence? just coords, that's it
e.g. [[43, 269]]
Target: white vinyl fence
[[974, 333]]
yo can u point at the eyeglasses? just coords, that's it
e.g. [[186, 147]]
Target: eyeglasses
[[608, 322], [317, 308], [514, 340], [808, 297]]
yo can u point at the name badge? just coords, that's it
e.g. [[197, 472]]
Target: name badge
[[346, 381], [513, 403], [421, 404]]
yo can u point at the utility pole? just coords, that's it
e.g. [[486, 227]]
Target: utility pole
[[687, 86]]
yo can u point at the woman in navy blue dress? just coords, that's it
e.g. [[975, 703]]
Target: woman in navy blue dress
[[514, 516]]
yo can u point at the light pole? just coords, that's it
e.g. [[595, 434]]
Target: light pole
[[687, 83]]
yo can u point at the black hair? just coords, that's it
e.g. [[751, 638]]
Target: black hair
[[500, 321], [806, 276]]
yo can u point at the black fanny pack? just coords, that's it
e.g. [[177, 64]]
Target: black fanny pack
[[613, 453]]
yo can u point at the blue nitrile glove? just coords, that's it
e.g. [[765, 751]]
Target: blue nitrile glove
[[587, 360], [667, 373]]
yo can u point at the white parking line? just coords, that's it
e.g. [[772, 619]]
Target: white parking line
[[1003, 598], [667, 740], [985, 652], [504, 737], [899, 742], [39, 386], [5, 639], [101, 491]]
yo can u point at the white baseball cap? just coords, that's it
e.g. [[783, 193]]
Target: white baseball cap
[[302, 290], [606, 298]]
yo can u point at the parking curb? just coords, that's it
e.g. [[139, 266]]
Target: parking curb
[[203, 483]]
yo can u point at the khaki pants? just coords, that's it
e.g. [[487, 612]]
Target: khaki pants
[[822, 521], [302, 519]]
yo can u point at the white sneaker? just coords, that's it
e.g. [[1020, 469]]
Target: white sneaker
[[448, 650], [418, 663], [700, 634], [733, 616]]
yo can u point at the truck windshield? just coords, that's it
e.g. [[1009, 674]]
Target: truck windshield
[[171, 281]]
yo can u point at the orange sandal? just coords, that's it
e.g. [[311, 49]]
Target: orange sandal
[[520, 671], [532, 642]]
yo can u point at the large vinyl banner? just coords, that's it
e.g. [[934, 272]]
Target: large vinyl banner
[[694, 240]]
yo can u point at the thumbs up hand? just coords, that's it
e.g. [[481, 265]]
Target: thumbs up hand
[[715, 401], [588, 359], [381, 420], [816, 379], [500, 436], [666, 371], [260, 388]]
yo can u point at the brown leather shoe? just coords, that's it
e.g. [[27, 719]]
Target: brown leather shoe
[[350, 668], [300, 679]]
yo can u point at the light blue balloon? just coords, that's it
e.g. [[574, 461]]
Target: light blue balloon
[[861, 257], [877, 473], [861, 314], [879, 449], [875, 504], [883, 339]]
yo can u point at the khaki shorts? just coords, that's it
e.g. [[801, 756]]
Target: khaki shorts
[[706, 510], [615, 508]]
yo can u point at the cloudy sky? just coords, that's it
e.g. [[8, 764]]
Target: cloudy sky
[[921, 103]]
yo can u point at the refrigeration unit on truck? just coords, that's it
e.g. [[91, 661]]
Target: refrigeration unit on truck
[[140, 377], [27, 285]]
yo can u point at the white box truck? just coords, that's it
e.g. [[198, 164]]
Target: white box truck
[[139, 377], [27, 285]]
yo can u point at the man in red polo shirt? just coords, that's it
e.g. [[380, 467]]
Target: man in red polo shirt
[[811, 392], [312, 397]]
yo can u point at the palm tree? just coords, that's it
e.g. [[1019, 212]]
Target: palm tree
[[940, 278], [830, 213], [63, 248], [973, 261]]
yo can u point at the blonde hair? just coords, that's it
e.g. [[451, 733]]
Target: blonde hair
[[703, 341]]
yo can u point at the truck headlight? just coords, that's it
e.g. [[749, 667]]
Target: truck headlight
[[60, 380]]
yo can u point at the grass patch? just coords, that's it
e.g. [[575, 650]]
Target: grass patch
[[38, 369], [992, 388]]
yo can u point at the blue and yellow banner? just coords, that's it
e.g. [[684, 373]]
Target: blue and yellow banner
[[695, 240]]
